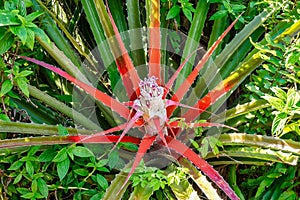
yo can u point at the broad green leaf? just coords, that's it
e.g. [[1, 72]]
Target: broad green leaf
[[195, 144], [29, 168], [188, 14], [82, 152], [238, 7], [28, 3], [20, 31], [22, 8], [25, 73], [13, 95], [16, 165], [4, 117], [113, 159], [33, 16], [6, 42], [34, 186], [70, 152], [280, 93], [274, 175], [6, 87], [23, 190], [47, 155], [97, 196], [81, 172], [288, 195], [62, 130], [77, 196], [219, 14], [61, 156], [103, 169], [33, 150], [262, 187], [101, 163], [277, 103], [173, 12], [22, 83], [293, 98], [102, 181], [30, 25], [29, 195], [30, 39], [41, 34], [204, 147], [63, 168], [278, 123], [129, 146], [7, 18], [18, 179], [43, 188], [22, 19]]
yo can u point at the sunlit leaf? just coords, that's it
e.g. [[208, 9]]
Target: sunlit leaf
[[22, 83], [279, 122], [20, 31]]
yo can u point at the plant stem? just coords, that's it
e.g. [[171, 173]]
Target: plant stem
[[57, 105], [36, 129], [232, 181]]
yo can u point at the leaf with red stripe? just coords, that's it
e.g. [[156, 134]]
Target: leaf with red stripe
[[205, 102], [145, 144], [181, 91], [128, 126], [154, 41], [94, 92], [202, 165], [124, 63], [102, 139]]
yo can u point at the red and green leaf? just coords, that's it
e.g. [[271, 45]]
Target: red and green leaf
[[179, 94], [145, 144], [154, 41], [202, 165], [97, 94]]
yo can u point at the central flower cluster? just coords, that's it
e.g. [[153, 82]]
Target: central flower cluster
[[150, 101]]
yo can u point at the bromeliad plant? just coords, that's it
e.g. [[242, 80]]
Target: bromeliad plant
[[152, 101], [149, 108]]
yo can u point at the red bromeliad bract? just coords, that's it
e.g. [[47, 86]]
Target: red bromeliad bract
[[151, 110]]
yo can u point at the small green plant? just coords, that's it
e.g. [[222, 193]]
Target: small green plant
[[287, 106], [15, 23], [180, 6]]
